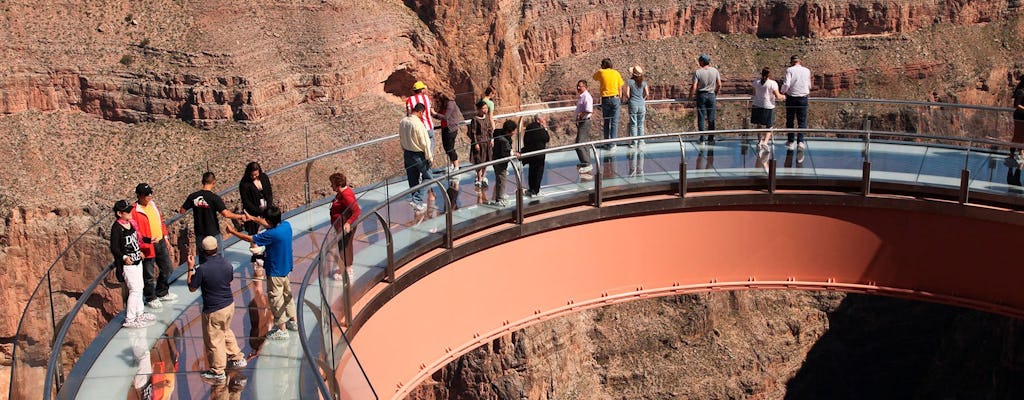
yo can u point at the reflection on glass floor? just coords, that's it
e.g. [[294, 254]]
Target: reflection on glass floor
[[165, 360]]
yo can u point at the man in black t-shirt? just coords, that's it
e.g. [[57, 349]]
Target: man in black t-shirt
[[205, 205]]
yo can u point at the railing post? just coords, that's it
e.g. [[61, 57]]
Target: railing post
[[771, 175], [309, 168], [865, 180], [449, 210], [597, 177], [517, 168], [965, 186], [682, 167], [390, 268]]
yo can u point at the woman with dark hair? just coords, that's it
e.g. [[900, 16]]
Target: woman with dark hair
[[766, 91], [344, 212], [481, 138], [1018, 119], [257, 196]]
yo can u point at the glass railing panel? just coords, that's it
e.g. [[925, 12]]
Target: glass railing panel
[[334, 356], [994, 171], [32, 347]]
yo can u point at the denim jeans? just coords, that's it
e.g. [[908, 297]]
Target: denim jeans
[[417, 169], [610, 113], [796, 107], [705, 112], [637, 115]]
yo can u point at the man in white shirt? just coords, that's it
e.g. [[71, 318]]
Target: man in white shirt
[[416, 149], [796, 88]]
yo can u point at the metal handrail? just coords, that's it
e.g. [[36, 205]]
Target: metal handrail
[[70, 317]]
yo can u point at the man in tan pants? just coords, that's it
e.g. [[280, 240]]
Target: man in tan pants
[[277, 238], [214, 278]]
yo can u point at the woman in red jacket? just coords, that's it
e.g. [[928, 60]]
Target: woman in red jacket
[[344, 212]]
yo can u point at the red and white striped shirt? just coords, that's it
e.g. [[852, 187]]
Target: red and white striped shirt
[[421, 98]]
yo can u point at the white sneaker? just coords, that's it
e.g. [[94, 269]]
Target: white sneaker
[[483, 182], [137, 324], [147, 317], [169, 298], [586, 170], [155, 304], [790, 145], [801, 146]]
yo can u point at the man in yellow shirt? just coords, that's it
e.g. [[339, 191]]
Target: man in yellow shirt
[[416, 150], [611, 83]]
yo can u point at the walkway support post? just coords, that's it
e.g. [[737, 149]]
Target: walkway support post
[[682, 168], [865, 180], [597, 177], [771, 175]]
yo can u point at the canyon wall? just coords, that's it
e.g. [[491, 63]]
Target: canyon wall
[[747, 345], [98, 96]]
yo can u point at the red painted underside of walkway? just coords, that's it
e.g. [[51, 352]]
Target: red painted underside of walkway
[[920, 255]]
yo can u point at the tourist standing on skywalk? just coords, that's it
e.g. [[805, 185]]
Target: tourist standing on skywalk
[[214, 278], [1018, 120], [156, 263], [762, 114], [535, 138], [611, 86], [278, 241], [796, 87], [707, 83], [206, 206], [344, 212], [257, 195], [636, 93], [416, 153], [481, 138], [502, 149], [584, 110], [450, 129], [124, 246], [420, 96]]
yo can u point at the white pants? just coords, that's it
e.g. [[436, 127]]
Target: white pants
[[133, 279]]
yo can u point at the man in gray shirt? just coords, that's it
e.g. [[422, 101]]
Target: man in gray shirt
[[707, 82]]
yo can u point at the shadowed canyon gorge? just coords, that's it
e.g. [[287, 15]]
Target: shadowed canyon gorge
[[98, 96]]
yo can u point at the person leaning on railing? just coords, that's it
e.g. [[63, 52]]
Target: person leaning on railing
[[344, 212], [611, 84]]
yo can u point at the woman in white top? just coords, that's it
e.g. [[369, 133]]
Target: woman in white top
[[766, 91]]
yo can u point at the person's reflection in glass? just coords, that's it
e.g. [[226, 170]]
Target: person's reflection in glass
[[763, 156], [142, 384], [259, 318], [794, 155], [453, 192], [706, 158], [636, 156], [1013, 169], [233, 390], [608, 165]]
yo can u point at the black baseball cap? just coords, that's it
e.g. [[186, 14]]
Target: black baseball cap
[[122, 206], [143, 189]]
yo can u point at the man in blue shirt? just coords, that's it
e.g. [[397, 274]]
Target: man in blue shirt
[[214, 278], [277, 238]]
